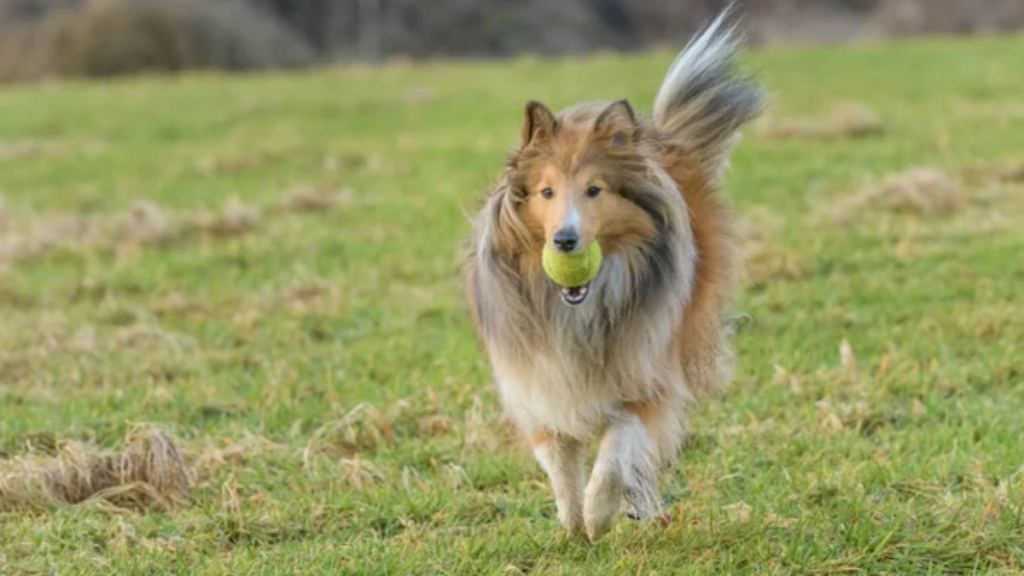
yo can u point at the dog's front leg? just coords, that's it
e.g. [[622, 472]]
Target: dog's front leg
[[564, 460], [626, 469]]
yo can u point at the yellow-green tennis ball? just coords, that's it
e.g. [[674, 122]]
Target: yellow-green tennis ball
[[572, 270]]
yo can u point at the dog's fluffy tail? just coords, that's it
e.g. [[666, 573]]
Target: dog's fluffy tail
[[705, 98]]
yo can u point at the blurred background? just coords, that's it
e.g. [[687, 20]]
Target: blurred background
[[42, 39]]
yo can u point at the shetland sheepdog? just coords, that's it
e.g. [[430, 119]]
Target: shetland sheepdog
[[621, 358]]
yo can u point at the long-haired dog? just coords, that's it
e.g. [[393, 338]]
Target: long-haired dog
[[620, 358]]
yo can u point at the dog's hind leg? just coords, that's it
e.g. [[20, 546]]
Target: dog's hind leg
[[564, 460], [629, 464]]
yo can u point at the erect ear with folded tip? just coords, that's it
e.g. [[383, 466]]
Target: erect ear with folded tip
[[616, 124], [538, 123]]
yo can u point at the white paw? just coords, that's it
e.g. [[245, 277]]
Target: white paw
[[570, 514], [601, 502]]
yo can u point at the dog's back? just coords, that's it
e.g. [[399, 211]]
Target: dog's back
[[703, 102]]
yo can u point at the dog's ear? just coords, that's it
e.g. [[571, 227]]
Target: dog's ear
[[616, 124], [538, 123]]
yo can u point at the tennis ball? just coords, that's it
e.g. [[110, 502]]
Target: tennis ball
[[572, 270]]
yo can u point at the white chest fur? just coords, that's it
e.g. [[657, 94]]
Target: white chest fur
[[573, 384]]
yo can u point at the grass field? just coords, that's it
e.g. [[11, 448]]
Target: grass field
[[263, 271]]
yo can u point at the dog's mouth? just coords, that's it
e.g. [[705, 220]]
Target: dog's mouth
[[576, 295]]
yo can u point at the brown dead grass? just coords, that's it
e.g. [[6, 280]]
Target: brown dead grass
[[15, 149], [234, 219], [235, 453], [148, 470], [314, 199], [54, 232], [764, 259], [776, 265], [149, 336], [360, 473], [991, 177], [361, 430], [846, 120], [436, 425], [1012, 173], [146, 223], [177, 303], [5, 217], [234, 164], [921, 190], [27, 148]]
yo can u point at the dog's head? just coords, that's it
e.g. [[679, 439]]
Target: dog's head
[[581, 177]]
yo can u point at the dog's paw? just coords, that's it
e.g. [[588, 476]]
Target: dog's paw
[[601, 503], [641, 502], [631, 512], [571, 519]]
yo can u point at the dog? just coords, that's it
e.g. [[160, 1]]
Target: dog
[[621, 358]]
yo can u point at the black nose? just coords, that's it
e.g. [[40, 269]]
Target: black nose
[[566, 240]]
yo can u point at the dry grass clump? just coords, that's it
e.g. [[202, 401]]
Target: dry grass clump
[[360, 473], [66, 231], [361, 430], [314, 199], [5, 216], [236, 453], [147, 223], [148, 470], [763, 259], [30, 238], [147, 336], [234, 219], [14, 149], [1012, 173], [844, 120], [436, 425], [776, 265], [28, 148], [236, 163], [56, 232], [921, 190], [111, 37]]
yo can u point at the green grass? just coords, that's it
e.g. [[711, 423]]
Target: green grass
[[262, 345]]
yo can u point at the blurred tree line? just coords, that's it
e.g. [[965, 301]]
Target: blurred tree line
[[44, 38]]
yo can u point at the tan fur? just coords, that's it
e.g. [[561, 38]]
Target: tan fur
[[651, 336], [610, 218], [701, 336]]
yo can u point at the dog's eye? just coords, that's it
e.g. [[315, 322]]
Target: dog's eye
[[547, 193], [593, 191]]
